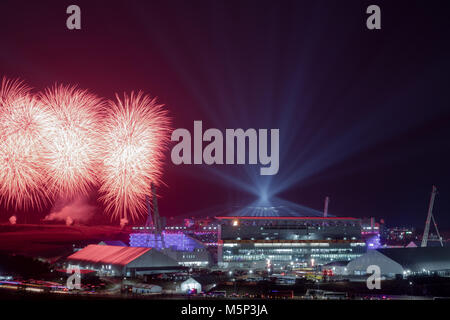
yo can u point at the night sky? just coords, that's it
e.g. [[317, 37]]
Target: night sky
[[363, 115]]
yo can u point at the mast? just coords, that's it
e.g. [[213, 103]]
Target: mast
[[157, 219], [325, 209], [149, 222]]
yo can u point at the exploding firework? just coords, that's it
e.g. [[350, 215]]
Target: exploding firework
[[64, 141], [136, 132], [74, 149], [25, 130], [12, 90]]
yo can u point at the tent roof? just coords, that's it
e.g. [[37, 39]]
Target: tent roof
[[416, 259], [115, 255], [112, 243]]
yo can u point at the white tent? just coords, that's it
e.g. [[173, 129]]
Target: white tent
[[190, 284], [387, 266], [411, 245]]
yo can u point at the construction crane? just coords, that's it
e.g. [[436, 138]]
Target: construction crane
[[429, 218]]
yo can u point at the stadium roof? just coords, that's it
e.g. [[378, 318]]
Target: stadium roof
[[284, 218], [418, 259], [114, 255], [286, 210]]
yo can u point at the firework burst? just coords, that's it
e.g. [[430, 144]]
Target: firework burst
[[135, 134], [25, 129], [74, 149], [11, 90], [62, 142]]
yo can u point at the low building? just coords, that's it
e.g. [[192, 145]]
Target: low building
[[176, 240], [197, 258], [123, 261], [403, 261], [186, 250]]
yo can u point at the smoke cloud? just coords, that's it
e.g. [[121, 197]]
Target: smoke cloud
[[77, 210], [13, 219], [123, 222]]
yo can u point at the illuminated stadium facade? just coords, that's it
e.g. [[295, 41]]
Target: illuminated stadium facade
[[179, 245], [277, 242]]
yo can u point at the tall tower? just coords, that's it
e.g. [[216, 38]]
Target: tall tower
[[325, 209], [149, 223], [156, 218]]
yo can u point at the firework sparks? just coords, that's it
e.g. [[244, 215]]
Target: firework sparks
[[136, 132], [64, 141], [24, 132], [11, 90], [74, 149]]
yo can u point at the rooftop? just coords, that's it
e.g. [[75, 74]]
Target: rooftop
[[114, 255], [283, 218], [418, 259]]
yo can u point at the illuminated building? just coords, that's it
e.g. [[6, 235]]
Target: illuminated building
[[122, 261], [186, 250], [370, 227], [256, 242], [401, 235], [198, 284], [371, 232], [176, 240]]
